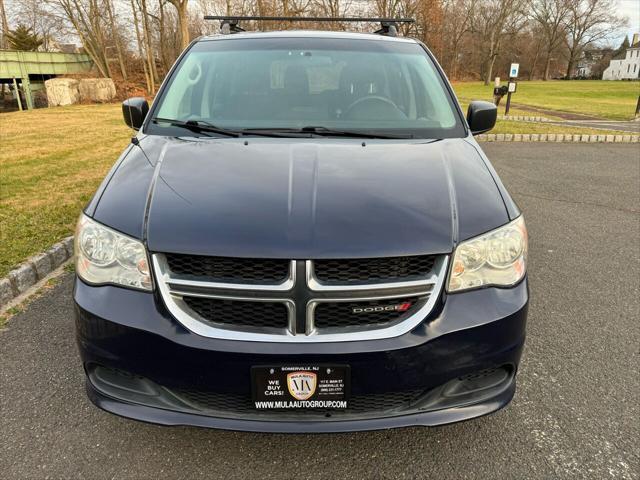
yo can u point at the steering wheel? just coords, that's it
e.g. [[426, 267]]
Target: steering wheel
[[372, 99]]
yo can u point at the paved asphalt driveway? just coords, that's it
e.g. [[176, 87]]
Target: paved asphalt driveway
[[575, 414], [625, 128]]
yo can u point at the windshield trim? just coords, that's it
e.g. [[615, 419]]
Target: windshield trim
[[461, 120], [447, 85]]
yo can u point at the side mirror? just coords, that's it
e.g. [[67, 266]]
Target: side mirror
[[134, 110], [481, 116]]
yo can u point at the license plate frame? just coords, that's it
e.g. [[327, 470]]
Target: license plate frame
[[301, 387]]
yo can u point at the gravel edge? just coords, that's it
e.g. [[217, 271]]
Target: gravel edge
[[36, 268]]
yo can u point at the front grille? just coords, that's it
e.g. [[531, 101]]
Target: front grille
[[342, 314], [238, 312], [229, 268], [273, 300], [236, 403], [362, 270]]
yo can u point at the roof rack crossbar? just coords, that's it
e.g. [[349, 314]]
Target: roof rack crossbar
[[229, 23]]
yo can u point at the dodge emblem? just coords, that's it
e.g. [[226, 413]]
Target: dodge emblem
[[302, 385], [400, 307]]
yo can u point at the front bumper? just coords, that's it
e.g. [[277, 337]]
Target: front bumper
[[131, 333]]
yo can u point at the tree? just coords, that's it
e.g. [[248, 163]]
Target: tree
[[493, 22], [588, 22], [116, 38], [458, 17], [148, 38], [23, 38], [387, 8], [40, 17], [183, 21], [4, 24], [551, 16], [86, 18], [333, 9], [140, 41], [623, 47]]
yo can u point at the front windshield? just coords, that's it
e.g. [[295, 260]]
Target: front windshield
[[368, 86]]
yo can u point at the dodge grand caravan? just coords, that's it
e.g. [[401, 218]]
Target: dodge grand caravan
[[303, 235]]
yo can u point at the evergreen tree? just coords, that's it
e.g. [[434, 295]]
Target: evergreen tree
[[23, 38], [621, 51]]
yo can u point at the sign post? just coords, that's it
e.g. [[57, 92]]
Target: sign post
[[513, 74]]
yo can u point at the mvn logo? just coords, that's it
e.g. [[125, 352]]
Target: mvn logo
[[301, 385]]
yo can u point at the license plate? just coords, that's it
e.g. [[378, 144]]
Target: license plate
[[293, 387]]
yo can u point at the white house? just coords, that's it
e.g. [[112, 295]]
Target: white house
[[587, 61], [625, 66]]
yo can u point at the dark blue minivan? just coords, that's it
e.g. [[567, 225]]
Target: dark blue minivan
[[303, 236]]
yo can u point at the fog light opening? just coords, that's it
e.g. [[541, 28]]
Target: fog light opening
[[477, 381]]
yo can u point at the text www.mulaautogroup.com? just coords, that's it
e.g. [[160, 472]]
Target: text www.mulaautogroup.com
[[301, 404]]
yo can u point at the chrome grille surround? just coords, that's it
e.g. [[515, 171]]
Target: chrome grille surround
[[301, 292]]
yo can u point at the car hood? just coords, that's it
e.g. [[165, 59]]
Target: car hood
[[308, 198]]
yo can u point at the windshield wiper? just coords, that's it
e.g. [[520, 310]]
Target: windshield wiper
[[198, 126], [331, 132], [324, 131], [204, 126]]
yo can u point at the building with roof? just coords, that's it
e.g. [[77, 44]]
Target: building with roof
[[625, 65], [588, 62]]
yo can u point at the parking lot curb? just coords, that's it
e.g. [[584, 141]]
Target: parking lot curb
[[557, 138], [36, 268], [521, 118]]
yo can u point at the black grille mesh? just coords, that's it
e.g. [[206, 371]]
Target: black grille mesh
[[359, 270], [237, 312], [341, 314], [235, 403], [229, 269]]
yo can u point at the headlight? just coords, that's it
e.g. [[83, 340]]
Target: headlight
[[105, 256], [496, 258]]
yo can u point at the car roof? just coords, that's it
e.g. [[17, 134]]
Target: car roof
[[308, 34]]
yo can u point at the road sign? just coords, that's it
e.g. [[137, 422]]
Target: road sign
[[513, 71], [511, 87]]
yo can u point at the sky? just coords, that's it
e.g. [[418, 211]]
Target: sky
[[631, 9]]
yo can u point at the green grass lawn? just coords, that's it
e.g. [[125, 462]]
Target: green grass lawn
[[613, 100], [52, 160], [513, 111]]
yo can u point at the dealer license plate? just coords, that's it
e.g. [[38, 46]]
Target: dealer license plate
[[301, 387]]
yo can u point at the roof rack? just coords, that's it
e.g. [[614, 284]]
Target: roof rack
[[388, 26]]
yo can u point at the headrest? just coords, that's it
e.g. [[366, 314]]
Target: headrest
[[296, 80], [360, 80]]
